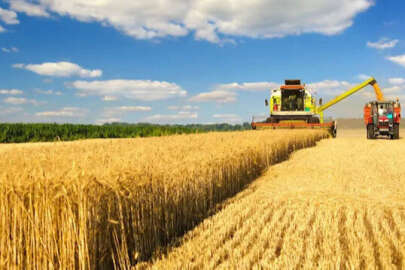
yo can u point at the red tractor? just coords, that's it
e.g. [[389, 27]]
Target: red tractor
[[382, 119]]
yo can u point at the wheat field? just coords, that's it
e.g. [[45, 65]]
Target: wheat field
[[340, 205], [100, 204]]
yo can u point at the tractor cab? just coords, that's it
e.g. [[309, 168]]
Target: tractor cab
[[385, 109]]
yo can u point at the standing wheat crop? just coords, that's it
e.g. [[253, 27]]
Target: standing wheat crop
[[100, 204]]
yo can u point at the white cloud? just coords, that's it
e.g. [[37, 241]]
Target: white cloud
[[225, 116], [228, 118], [20, 101], [208, 20], [48, 92], [47, 80], [107, 120], [145, 90], [218, 96], [329, 87], [10, 92], [109, 98], [363, 77], [60, 69], [64, 112], [400, 59], [396, 81], [134, 108], [180, 116], [369, 95], [247, 86], [226, 93], [8, 16], [28, 8], [10, 50], [2, 29], [10, 110], [183, 108], [383, 43], [113, 111], [392, 89]]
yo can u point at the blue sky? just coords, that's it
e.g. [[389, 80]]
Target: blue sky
[[190, 61]]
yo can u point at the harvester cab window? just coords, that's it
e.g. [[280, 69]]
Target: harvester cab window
[[292, 100]]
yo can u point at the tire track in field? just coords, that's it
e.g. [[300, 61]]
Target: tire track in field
[[309, 233], [371, 236]]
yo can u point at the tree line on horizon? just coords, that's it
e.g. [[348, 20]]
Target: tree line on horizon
[[49, 132]]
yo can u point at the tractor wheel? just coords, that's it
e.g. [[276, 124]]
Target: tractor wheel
[[370, 132], [395, 136]]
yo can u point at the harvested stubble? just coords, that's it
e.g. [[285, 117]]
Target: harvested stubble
[[340, 205], [105, 203]]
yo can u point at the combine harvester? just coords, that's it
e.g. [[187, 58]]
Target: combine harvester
[[293, 106]]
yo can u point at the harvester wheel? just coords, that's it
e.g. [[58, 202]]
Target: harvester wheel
[[370, 132], [395, 136], [334, 133]]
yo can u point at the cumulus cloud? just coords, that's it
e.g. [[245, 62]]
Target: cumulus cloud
[[383, 44], [396, 81], [10, 92], [363, 77], [2, 29], [228, 118], [247, 86], [213, 21], [226, 93], [109, 98], [145, 90], [10, 110], [28, 8], [329, 87], [107, 120], [166, 118], [114, 111], [20, 101], [400, 59], [392, 90], [60, 69], [134, 108], [64, 112], [8, 16], [183, 108], [10, 50], [218, 96], [397, 87], [48, 92]]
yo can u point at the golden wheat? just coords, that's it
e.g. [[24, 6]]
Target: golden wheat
[[340, 205], [100, 204]]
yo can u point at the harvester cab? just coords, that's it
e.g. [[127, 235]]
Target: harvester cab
[[382, 118], [292, 102]]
